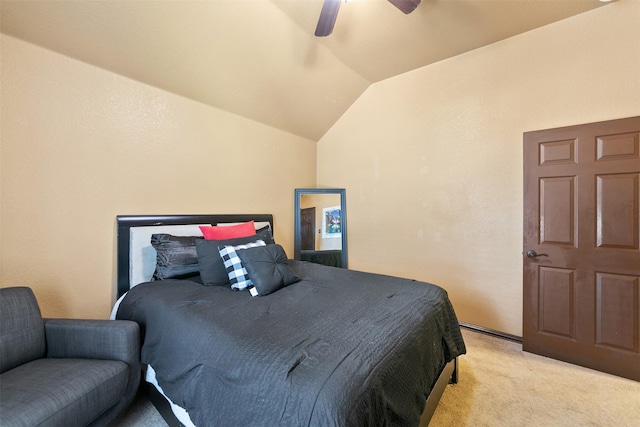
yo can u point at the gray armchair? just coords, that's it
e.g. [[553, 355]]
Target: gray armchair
[[63, 372]]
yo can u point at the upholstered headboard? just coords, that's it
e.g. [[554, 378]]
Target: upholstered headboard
[[128, 250]]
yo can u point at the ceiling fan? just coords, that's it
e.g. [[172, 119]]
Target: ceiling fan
[[330, 9]]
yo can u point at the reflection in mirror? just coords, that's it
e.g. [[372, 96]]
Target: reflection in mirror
[[320, 226]]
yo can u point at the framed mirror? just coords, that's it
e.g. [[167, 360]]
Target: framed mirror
[[320, 233]]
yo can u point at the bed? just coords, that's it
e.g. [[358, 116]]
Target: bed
[[326, 347]]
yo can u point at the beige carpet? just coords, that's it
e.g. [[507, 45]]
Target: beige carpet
[[500, 385]]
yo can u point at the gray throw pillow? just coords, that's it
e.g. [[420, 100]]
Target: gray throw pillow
[[267, 267], [176, 256]]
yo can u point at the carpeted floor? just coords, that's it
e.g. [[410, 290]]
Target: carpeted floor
[[500, 385], [140, 414]]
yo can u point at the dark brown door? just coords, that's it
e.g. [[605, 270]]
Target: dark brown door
[[582, 245], [308, 229]]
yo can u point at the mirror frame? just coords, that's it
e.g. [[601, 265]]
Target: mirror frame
[[343, 218]]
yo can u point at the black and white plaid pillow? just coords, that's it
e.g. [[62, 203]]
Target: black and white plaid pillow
[[238, 276]]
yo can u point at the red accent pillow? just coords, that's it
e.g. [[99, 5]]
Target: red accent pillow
[[223, 232]]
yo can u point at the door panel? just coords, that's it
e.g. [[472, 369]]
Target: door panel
[[617, 305], [617, 211], [308, 229], [557, 210], [556, 301], [581, 219], [557, 152], [616, 147]]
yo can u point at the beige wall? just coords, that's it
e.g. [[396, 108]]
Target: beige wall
[[80, 145], [437, 194], [437, 191]]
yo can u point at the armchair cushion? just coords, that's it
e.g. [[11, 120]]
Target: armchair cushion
[[61, 392]]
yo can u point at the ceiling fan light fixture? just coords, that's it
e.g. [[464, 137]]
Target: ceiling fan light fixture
[[406, 6], [328, 16], [330, 8]]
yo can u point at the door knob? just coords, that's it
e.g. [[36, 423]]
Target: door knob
[[534, 254]]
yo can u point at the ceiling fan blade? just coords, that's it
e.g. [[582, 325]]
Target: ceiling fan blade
[[328, 17], [407, 6]]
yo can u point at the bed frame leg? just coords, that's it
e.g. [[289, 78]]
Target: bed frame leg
[[162, 405], [449, 375], [454, 374]]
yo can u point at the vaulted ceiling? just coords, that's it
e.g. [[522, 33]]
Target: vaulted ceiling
[[260, 58]]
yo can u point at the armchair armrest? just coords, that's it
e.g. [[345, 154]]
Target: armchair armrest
[[98, 339], [93, 339]]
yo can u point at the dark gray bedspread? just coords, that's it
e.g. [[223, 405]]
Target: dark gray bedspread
[[339, 348]]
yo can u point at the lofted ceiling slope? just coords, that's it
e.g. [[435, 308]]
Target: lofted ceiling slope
[[260, 58]]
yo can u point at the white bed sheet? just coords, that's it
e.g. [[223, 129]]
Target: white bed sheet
[[181, 414]]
